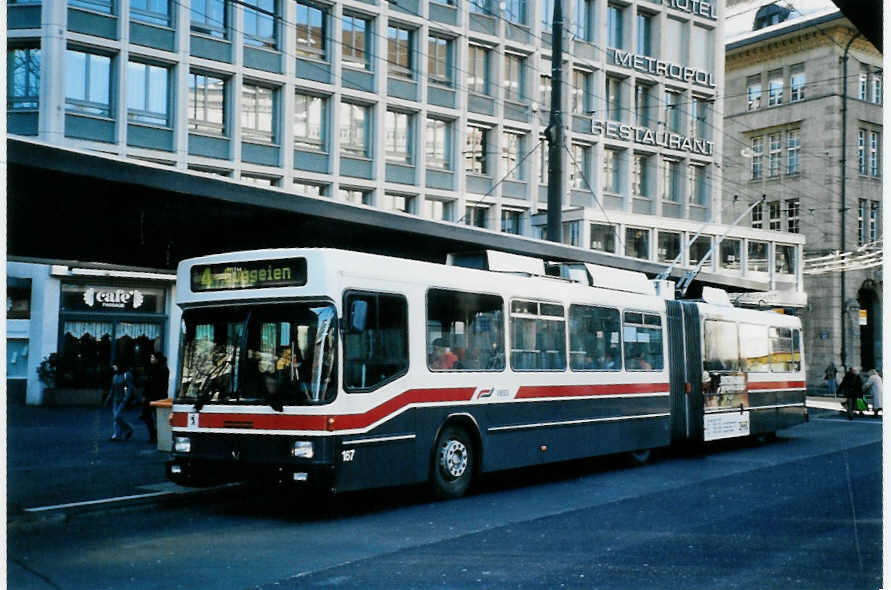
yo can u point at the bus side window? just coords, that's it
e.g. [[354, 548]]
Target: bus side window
[[720, 346], [594, 342], [796, 350], [465, 331], [538, 336], [642, 337], [375, 347], [753, 348], [781, 354]]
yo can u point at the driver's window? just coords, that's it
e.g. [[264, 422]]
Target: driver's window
[[375, 346]]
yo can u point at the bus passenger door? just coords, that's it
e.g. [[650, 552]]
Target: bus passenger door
[[694, 401]]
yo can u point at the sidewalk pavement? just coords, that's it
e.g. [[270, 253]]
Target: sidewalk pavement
[[62, 455]]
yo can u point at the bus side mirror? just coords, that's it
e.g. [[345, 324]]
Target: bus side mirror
[[358, 316]]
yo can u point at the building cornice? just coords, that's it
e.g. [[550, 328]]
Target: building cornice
[[795, 42]]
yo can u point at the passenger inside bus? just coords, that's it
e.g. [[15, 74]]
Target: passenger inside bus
[[637, 360], [443, 358]]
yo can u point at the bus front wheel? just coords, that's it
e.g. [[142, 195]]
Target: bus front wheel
[[453, 463]]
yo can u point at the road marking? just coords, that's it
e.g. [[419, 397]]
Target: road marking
[[95, 502]]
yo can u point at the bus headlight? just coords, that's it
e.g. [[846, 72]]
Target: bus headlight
[[303, 449], [182, 444]]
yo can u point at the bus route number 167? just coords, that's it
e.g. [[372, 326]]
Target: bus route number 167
[[348, 455]]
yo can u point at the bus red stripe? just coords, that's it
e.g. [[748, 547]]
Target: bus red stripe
[[775, 385], [544, 391]]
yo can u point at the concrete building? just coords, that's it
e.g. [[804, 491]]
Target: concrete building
[[784, 116], [428, 110]]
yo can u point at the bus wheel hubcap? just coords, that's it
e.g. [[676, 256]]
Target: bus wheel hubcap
[[453, 458]]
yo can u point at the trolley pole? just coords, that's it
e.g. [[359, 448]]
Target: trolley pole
[[554, 132], [844, 204]]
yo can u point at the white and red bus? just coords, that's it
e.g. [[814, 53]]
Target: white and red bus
[[349, 370]]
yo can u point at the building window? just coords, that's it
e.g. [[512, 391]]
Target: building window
[[775, 222], [513, 76], [671, 181], [699, 117], [875, 161], [357, 196], [399, 51], [582, 20], [511, 221], [259, 23], [699, 250], [861, 151], [784, 259], [209, 17], [876, 89], [775, 88], [308, 189], [258, 113], [356, 41], [581, 92], [480, 6], [437, 138], [874, 221], [669, 246], [401, 203], [612, 172], [644, 34], [260, 180], [729, 254], [475, 151], [151, 11], [511, 155], [544, 93], [547, 15], [673, 111], [399, 137], [753, 92], [862, 87], [614, 27], [578, 172], [312, 31], [642, 105], [87, 83], [797, 81], [758, 216], [23, 78], [310, 121], [757, 261], [476, 216], [793, 147], [637, 243], [757, 157], [640, 183], [603, 238], [793, 215], [613, 99], [439, 60], [572, 233], [478, 69], [515, 11], [354, 129], [18, 298], [697, 191], [440, 210], [774, 154], [862, 209], [104, 6], [207, 101], [147, 94]]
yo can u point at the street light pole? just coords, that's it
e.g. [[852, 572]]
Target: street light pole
[[844, 204], [554, 132]]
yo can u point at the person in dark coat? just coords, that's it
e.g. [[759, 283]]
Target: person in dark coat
[[156, 381], [851, 388], [119, 395]]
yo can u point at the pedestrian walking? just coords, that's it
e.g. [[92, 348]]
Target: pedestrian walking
[[873, 388], [851, 388], [829, 375], [156, 381], [119, 395]]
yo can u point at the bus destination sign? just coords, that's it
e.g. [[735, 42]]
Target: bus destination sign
[[253, 274]]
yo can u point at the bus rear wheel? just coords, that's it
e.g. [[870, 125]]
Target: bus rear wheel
[[453, 463]]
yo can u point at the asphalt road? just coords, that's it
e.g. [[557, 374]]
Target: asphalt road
[[801, 512]]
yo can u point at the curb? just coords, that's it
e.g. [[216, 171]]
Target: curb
[[35, 517]]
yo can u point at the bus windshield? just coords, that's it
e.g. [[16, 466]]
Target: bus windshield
[[276, 354]]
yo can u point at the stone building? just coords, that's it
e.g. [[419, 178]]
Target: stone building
[[785, 112]]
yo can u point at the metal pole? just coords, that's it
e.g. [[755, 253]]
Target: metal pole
[[844, 205], [554, 132]]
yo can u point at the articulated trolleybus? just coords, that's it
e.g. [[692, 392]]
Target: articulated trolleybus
[[349, 370]]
